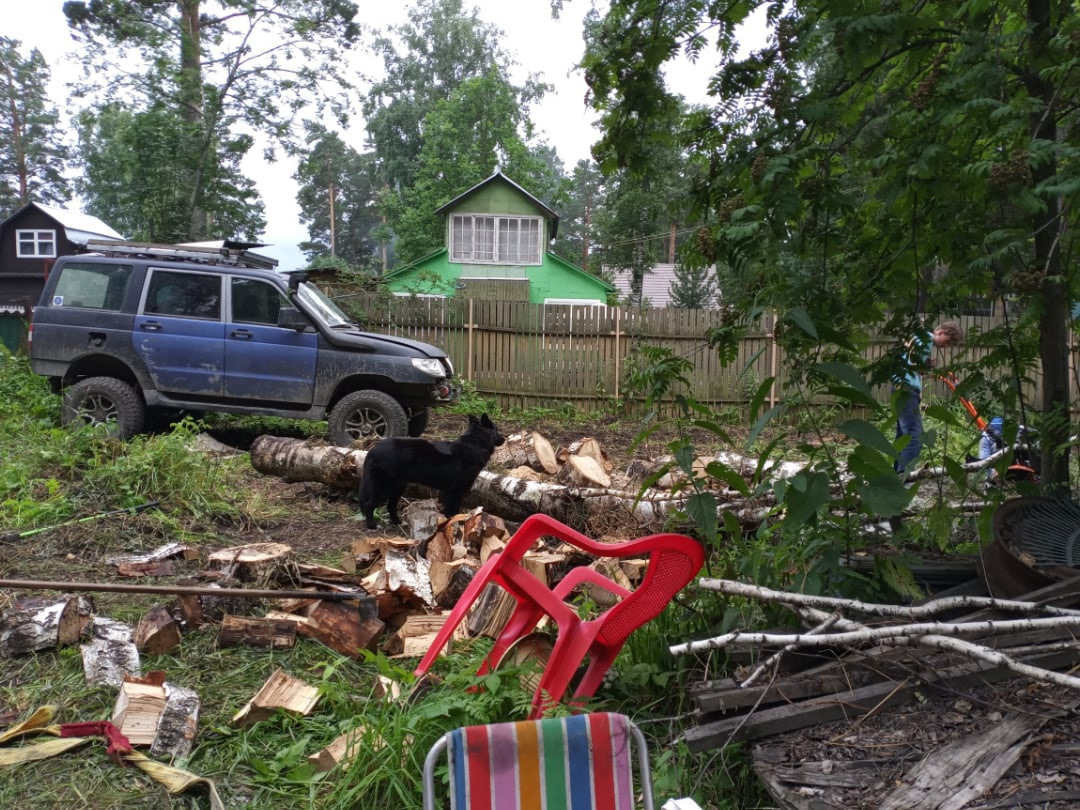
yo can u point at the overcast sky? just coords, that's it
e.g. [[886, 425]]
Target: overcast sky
[[538, 43]]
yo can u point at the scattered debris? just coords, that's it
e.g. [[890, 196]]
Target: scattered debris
[[281, 691]]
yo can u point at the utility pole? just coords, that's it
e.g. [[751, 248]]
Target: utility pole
[[333, 228]]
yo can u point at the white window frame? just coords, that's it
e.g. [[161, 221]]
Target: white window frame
[[491, 239], [37, 237]]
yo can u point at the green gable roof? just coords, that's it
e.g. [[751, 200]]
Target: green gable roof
[[497, 177]]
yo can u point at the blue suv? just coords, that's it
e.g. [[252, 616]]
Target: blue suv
[[138, 330]]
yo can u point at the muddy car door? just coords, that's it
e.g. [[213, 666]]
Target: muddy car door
[[264, 361], [179, 333]]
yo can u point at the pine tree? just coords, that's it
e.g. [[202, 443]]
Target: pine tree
[[694, 287], [32, 151]]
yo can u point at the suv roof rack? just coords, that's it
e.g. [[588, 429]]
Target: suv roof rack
[[228, 254]]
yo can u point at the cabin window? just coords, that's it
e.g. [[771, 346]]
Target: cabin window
[[495, 240], [32, 244]]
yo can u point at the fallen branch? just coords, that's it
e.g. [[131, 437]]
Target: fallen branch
[[890, 634], [761, 593]]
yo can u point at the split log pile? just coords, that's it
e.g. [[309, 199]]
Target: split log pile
[[879, 724], [393, 591], [576, 484]]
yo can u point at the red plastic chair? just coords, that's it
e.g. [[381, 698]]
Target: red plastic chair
[[674, 560]]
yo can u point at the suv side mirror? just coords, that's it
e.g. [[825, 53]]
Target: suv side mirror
[[291, 318]]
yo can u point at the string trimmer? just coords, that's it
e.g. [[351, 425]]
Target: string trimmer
[[11, 537]]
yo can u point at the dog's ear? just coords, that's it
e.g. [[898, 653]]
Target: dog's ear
[[473, 420], [486, 422]]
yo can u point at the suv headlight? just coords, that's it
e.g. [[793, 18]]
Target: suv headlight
[[429, 365]]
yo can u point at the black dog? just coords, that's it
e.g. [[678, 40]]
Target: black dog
[[450, 467]]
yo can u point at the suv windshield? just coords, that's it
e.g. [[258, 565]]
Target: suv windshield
[[325, 309]]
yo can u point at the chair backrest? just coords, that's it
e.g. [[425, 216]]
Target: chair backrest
[[581, 762], [674, 560]]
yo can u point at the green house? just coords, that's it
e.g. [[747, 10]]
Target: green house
[[497, 235]]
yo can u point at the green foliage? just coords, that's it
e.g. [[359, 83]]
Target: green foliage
[[150, 173], [187, 79], [32, 149], [336, 178], [443, 117], [471, 402], [694, 287], [466, 137], [835, 153]]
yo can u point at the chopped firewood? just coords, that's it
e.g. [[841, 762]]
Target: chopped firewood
[[408, 578], [634, 569], [157, 632], [387, 688], [449, 581], [529, 450], [163, 568], [341, 627], [525, 474], [322, 572], [139, 706], [254, 631], [490, 613], [295, 605], [191, 612], [256, 562], [676, 476], [612, 570], [492, 545], [367, 547], [179, 723], [584, 471], [168, 551], [281, 691], [420, 518], [40, 623], [110, 654], [537, 563], [342, 749], [589, 448], [287, 616], [415, 636], [439, 547]]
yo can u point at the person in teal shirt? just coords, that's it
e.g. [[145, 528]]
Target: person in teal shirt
[[908, 386]]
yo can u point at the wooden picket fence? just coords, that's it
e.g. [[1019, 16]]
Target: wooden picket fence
[[535, 355]]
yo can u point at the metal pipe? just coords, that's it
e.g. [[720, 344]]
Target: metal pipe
[[177, 590]]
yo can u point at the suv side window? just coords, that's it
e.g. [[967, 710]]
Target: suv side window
[[183, 295], [92, 286], [255, 301]]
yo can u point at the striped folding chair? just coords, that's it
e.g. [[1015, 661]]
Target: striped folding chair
[[581, 762]]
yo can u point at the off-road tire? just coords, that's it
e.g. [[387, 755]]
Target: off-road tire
[[105, 401], [364, 415], [418, 422]]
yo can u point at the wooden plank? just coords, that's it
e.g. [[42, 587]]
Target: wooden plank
[[853, 703], [953, 775]]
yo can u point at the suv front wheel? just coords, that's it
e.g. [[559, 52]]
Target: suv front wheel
[[366, 414], [105, 401]]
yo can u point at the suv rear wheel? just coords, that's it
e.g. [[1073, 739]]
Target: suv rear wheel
[[366, 414], [105, 401]]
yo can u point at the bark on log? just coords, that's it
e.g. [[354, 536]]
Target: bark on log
[[157, 632], [256, 632], [528, 449], [510, 498], [42, 623]]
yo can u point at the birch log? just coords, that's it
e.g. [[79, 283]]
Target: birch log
[[512, 499]]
